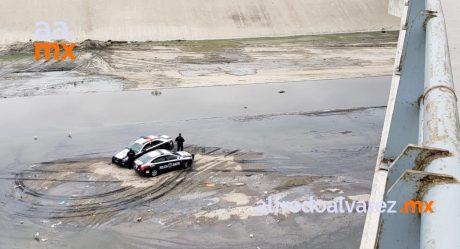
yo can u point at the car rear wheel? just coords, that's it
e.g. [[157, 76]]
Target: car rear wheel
[[154, 173]]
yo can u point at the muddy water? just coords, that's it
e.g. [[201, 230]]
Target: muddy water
[[116, 108], [294, 132]]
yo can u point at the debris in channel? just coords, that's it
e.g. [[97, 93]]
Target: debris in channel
[[156, 93], [37, 236], [56, 224]]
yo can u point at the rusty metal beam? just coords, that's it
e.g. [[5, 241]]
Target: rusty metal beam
[[440, 129], [419, 156]]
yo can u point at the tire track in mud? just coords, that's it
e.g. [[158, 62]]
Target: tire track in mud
[[19, 181], [129, 198], [33, 199]]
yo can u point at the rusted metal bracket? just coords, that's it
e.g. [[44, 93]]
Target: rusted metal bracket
[[413, 157], [402, 229]]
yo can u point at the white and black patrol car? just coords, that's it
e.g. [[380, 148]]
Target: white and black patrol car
[[158, 161], [143, 145]]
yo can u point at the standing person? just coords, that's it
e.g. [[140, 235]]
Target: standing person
[[180, 142], [130, 162]]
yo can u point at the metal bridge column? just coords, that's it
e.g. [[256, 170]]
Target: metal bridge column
[[440, 130], [422, 115]]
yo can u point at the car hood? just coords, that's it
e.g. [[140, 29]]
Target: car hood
[[122, 154]]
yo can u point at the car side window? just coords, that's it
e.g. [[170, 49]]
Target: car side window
[[171, 157], [155, 143], [159, 160], [147, 146]]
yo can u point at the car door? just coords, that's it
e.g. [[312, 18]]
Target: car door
[[173, 162], [145, 148], [160, 163], [156, 145]]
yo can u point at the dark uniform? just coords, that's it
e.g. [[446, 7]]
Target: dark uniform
[[180, 142], [130, 162]]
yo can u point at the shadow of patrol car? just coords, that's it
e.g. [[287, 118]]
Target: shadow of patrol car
[[159, 161]]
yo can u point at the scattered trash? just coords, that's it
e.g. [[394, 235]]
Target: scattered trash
[[21, 222], [281, 91], [265, 192], [37, 236], [44, 221], [332, 190], [69, 135], [229, 225], [35, 137], [139, 219], [156, 92], [150, 210], [210, 184], [245, 107], [251, 235], [345, 132], [56, 224], [240, 184], [44, 240], [62, 203]]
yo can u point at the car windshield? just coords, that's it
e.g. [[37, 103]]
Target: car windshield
[[136, 147], [145, 158]]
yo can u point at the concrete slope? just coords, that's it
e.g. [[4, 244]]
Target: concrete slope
[[140, 20]]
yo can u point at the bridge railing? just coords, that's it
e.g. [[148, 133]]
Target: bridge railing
[[419, 155]]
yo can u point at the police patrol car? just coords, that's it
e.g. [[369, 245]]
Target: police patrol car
[[143, 145], [158, 161]]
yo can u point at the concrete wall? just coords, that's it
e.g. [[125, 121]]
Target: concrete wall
[[142, 20]]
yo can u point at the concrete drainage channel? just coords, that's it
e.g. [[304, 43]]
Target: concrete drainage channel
[[91, 189], [220, 191], [95, 187]]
